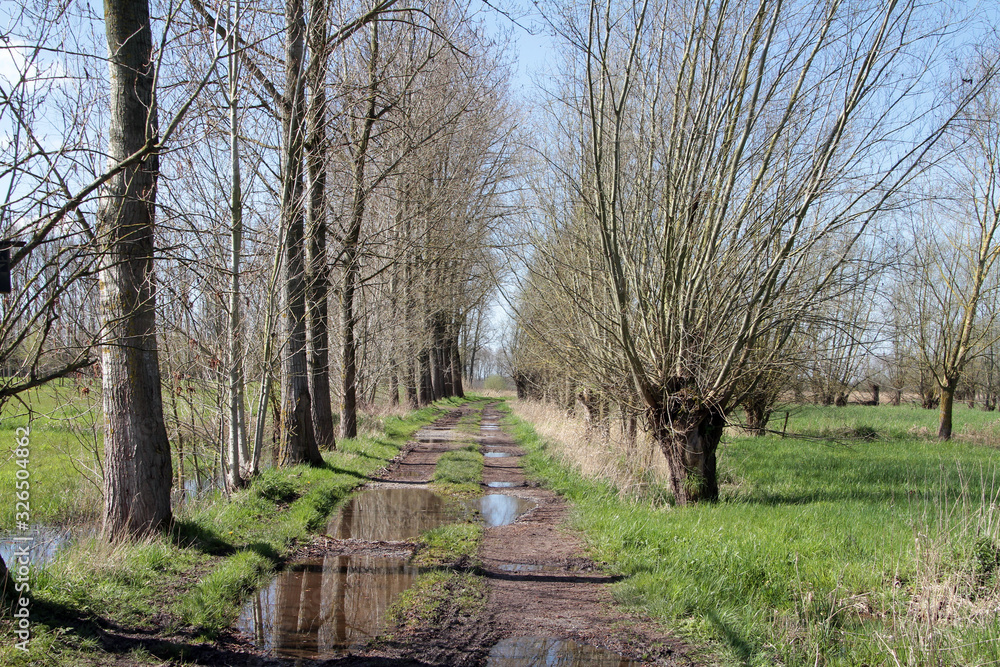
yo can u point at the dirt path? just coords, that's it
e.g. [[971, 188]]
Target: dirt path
[[541, 584], [415, 464]]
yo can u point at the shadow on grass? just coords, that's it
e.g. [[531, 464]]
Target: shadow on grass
[[743, 649], [189, 534]]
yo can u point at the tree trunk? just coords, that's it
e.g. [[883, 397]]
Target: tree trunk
[[318, 275], [137, 470], [412, 400], [349, 348], [394, 389], [298, 442], [688, 436], [758, 415], [520, 385], [238, 450], [425, 392], [947, 403], [349, 353], [437, 359], [456, 369], [591, 410], [6, 588]]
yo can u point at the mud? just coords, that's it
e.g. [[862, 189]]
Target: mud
[[548, 603]]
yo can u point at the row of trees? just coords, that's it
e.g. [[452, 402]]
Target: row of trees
[[723, 193], [271, 204]]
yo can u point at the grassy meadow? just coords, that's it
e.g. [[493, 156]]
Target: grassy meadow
[[860, 540]]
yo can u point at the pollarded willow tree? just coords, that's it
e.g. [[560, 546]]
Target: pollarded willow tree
[[733, 156]]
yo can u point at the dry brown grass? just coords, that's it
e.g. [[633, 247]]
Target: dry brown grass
[[597, 453]]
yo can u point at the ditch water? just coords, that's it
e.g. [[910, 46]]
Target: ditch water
[[320, 608], [44, 543], [497, 455]]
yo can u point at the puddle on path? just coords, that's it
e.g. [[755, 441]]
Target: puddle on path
[[323, 607], [42, 542], [489, 427], [501, 485], [391, 514], [496, 455], [499, 510], [544, 652]]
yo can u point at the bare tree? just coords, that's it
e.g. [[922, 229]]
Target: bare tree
[[735, 155], [137, 471], [298, 441]]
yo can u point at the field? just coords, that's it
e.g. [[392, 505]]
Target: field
[[861, 540]]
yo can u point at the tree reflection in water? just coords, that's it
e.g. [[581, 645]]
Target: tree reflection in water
[[320, 608]]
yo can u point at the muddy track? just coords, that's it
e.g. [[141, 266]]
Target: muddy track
[[415, 464], [541, 584]]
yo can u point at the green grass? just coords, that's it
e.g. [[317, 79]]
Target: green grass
[[820, 552], [459, 472], [449, 544], [62, 444], [433, 597], [218, 552]]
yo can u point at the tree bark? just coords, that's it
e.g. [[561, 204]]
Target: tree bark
[[137, 470], [318, 275], [688, 435], [947, 403], [412, 399], [456, 368], [758, 415], [238, 449], [5, 583], [394, 388], [298, 441], [425, 392]]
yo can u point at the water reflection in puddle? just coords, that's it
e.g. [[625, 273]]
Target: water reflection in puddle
[[500, 510], [496, 455], [501, 485], [391, 514], [543, 652], [320, 608]]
